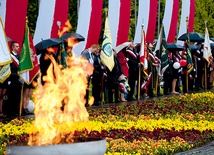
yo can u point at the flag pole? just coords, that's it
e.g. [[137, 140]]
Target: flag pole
[[139, 70], [187, 74], [158, 54], [22, 86], [205, 64]]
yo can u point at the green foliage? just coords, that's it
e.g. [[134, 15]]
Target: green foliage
[[72, 14], [32, 14], [204, 12]]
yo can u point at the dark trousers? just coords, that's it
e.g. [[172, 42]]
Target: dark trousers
[[11, 106], [96, 89], [131, 83], [114, 94]]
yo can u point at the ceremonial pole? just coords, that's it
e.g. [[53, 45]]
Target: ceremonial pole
[[205, 66], [187, 74], [139, 70]]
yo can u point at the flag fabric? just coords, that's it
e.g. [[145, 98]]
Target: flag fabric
[[143, 53], [5, 58], [188, 54], [119, 20], [207, 49], [187, 11], [147, 12], [146, 83], [54, 14], [170, 19], [13, 14], [25, 62], [161, 52], [28, 64], [89, 24], [107, 55]]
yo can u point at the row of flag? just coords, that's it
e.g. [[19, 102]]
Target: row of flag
[[28, 63]]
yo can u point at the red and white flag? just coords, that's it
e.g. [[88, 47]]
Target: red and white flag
[[147, 13], [170, 19], [143, 52], [53, 14], [119, 20], [13, 14], [187, 11], [89, 24]]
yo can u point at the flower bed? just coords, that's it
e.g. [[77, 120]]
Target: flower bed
[[163, 126]]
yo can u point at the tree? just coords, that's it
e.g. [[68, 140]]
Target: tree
[[204, 11]]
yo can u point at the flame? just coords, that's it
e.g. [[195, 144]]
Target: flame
[[66, 28], [61, 99]]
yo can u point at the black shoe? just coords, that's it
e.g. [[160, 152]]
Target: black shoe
[[96, 104], [152, 95], [131, 99], [28, 112], [159, 94], [23, 112]]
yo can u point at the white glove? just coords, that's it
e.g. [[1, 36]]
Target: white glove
[[127, 59]]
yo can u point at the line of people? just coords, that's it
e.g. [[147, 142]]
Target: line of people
[[121, 84]]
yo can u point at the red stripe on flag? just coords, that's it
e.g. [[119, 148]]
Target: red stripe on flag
[[191, 15], [124, 22], [152, 21], [95, 23], [15, 19], [35, 70], [173, 24], [60, 14]]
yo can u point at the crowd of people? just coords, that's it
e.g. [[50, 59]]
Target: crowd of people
[[123, 83]]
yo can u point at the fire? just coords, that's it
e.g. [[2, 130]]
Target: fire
[[61, 100], [64, 29]]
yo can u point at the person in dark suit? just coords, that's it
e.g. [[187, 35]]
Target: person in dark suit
[[112, 80], [14, 83], [133, 70], [97, 78], [88, 55]]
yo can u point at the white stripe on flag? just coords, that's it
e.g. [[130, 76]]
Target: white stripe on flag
[[3, 10], [4, 49], [167, 16], [83, 25], [114, 15], [184, 13], [143, 18], [44, 21]]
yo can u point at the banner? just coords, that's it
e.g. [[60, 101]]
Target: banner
[[5, 58], [25, 62], [28, 65], [188, 55], [107, 55], [207, 49], [4, 49], [143, 53]]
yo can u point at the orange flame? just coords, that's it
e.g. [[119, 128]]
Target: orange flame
[[61, 99], [65, 28]]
